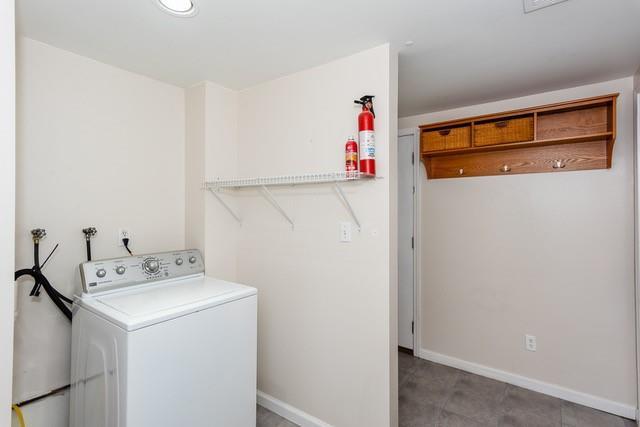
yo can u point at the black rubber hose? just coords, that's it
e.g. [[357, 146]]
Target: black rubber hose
[[37, 269], [59, 295], [35, 291], [88, 250], [55, 296]]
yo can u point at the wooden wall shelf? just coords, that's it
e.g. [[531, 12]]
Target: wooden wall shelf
[[568, 136]]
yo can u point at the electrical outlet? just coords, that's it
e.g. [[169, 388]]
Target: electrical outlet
[[123, 233], [530, 342], [345, 232]]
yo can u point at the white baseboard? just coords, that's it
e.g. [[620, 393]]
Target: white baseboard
[[289, 412], [574, 396]]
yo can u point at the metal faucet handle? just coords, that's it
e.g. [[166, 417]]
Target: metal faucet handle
[[89, 232], [38, 234]]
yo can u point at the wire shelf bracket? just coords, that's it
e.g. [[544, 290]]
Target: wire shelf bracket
[[262, 183], [344, 200], [226, 206], [269, 196]]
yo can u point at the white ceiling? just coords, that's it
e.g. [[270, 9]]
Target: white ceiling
[[465, 51]]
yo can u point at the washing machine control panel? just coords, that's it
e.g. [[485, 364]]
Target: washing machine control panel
[[103, 275]]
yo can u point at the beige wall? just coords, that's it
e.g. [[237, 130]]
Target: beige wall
[[325, 320], [221, 158], [194, 164], [545, 254], [7, 203], [211, 152], [97, 146]]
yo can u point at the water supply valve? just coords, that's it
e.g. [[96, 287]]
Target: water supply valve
[[89, 232], [38, 234]]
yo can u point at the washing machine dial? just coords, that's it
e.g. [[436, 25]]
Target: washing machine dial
[[120, 269], [179, 261], [101, 273], [192, 259], [151, 265]]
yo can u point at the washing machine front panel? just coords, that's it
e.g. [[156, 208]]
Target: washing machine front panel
[[99, 351], [197, 370]]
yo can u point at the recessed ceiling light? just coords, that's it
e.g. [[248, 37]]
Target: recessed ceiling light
[[408, 43], [182, 8]]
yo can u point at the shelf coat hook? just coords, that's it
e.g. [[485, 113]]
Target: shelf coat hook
[[269, 196], [559, 164]]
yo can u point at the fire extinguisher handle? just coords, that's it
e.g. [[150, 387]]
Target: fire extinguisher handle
[[367, 102]]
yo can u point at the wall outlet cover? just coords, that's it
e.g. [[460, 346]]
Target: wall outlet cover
[[123, 233], [530, 342]]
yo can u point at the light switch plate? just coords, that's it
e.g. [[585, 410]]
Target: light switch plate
[[530, 342], [345, 232], [533, 5]]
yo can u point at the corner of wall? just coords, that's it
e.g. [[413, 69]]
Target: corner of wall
[[7, 204], [393, 233], [219, 157], [636, 132], [194, 170]]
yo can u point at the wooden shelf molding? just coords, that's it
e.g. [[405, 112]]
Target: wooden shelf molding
[[567, 136]]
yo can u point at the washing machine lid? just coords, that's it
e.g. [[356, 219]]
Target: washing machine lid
[[146, 305]]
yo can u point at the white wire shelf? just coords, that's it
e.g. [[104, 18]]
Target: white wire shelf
[[312, 178], [335, 178]]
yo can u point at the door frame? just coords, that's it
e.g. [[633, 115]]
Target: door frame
[[636, 147], [417, 341], [7, 203]]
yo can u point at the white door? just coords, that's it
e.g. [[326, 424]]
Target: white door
[[405, 241], [7, 203]]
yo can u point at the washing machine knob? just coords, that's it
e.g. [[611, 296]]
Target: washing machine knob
[[192, 259], [120, 269], [101, 273], [179, 261], [151, 265]]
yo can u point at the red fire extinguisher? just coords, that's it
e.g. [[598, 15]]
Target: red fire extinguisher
[[351, 156], [366, 136]]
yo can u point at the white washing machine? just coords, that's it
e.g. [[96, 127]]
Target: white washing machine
[[155, 343]]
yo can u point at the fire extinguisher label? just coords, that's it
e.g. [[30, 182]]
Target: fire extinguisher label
[[367, 145]]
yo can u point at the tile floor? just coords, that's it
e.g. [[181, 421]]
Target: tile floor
[[433, 395]]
